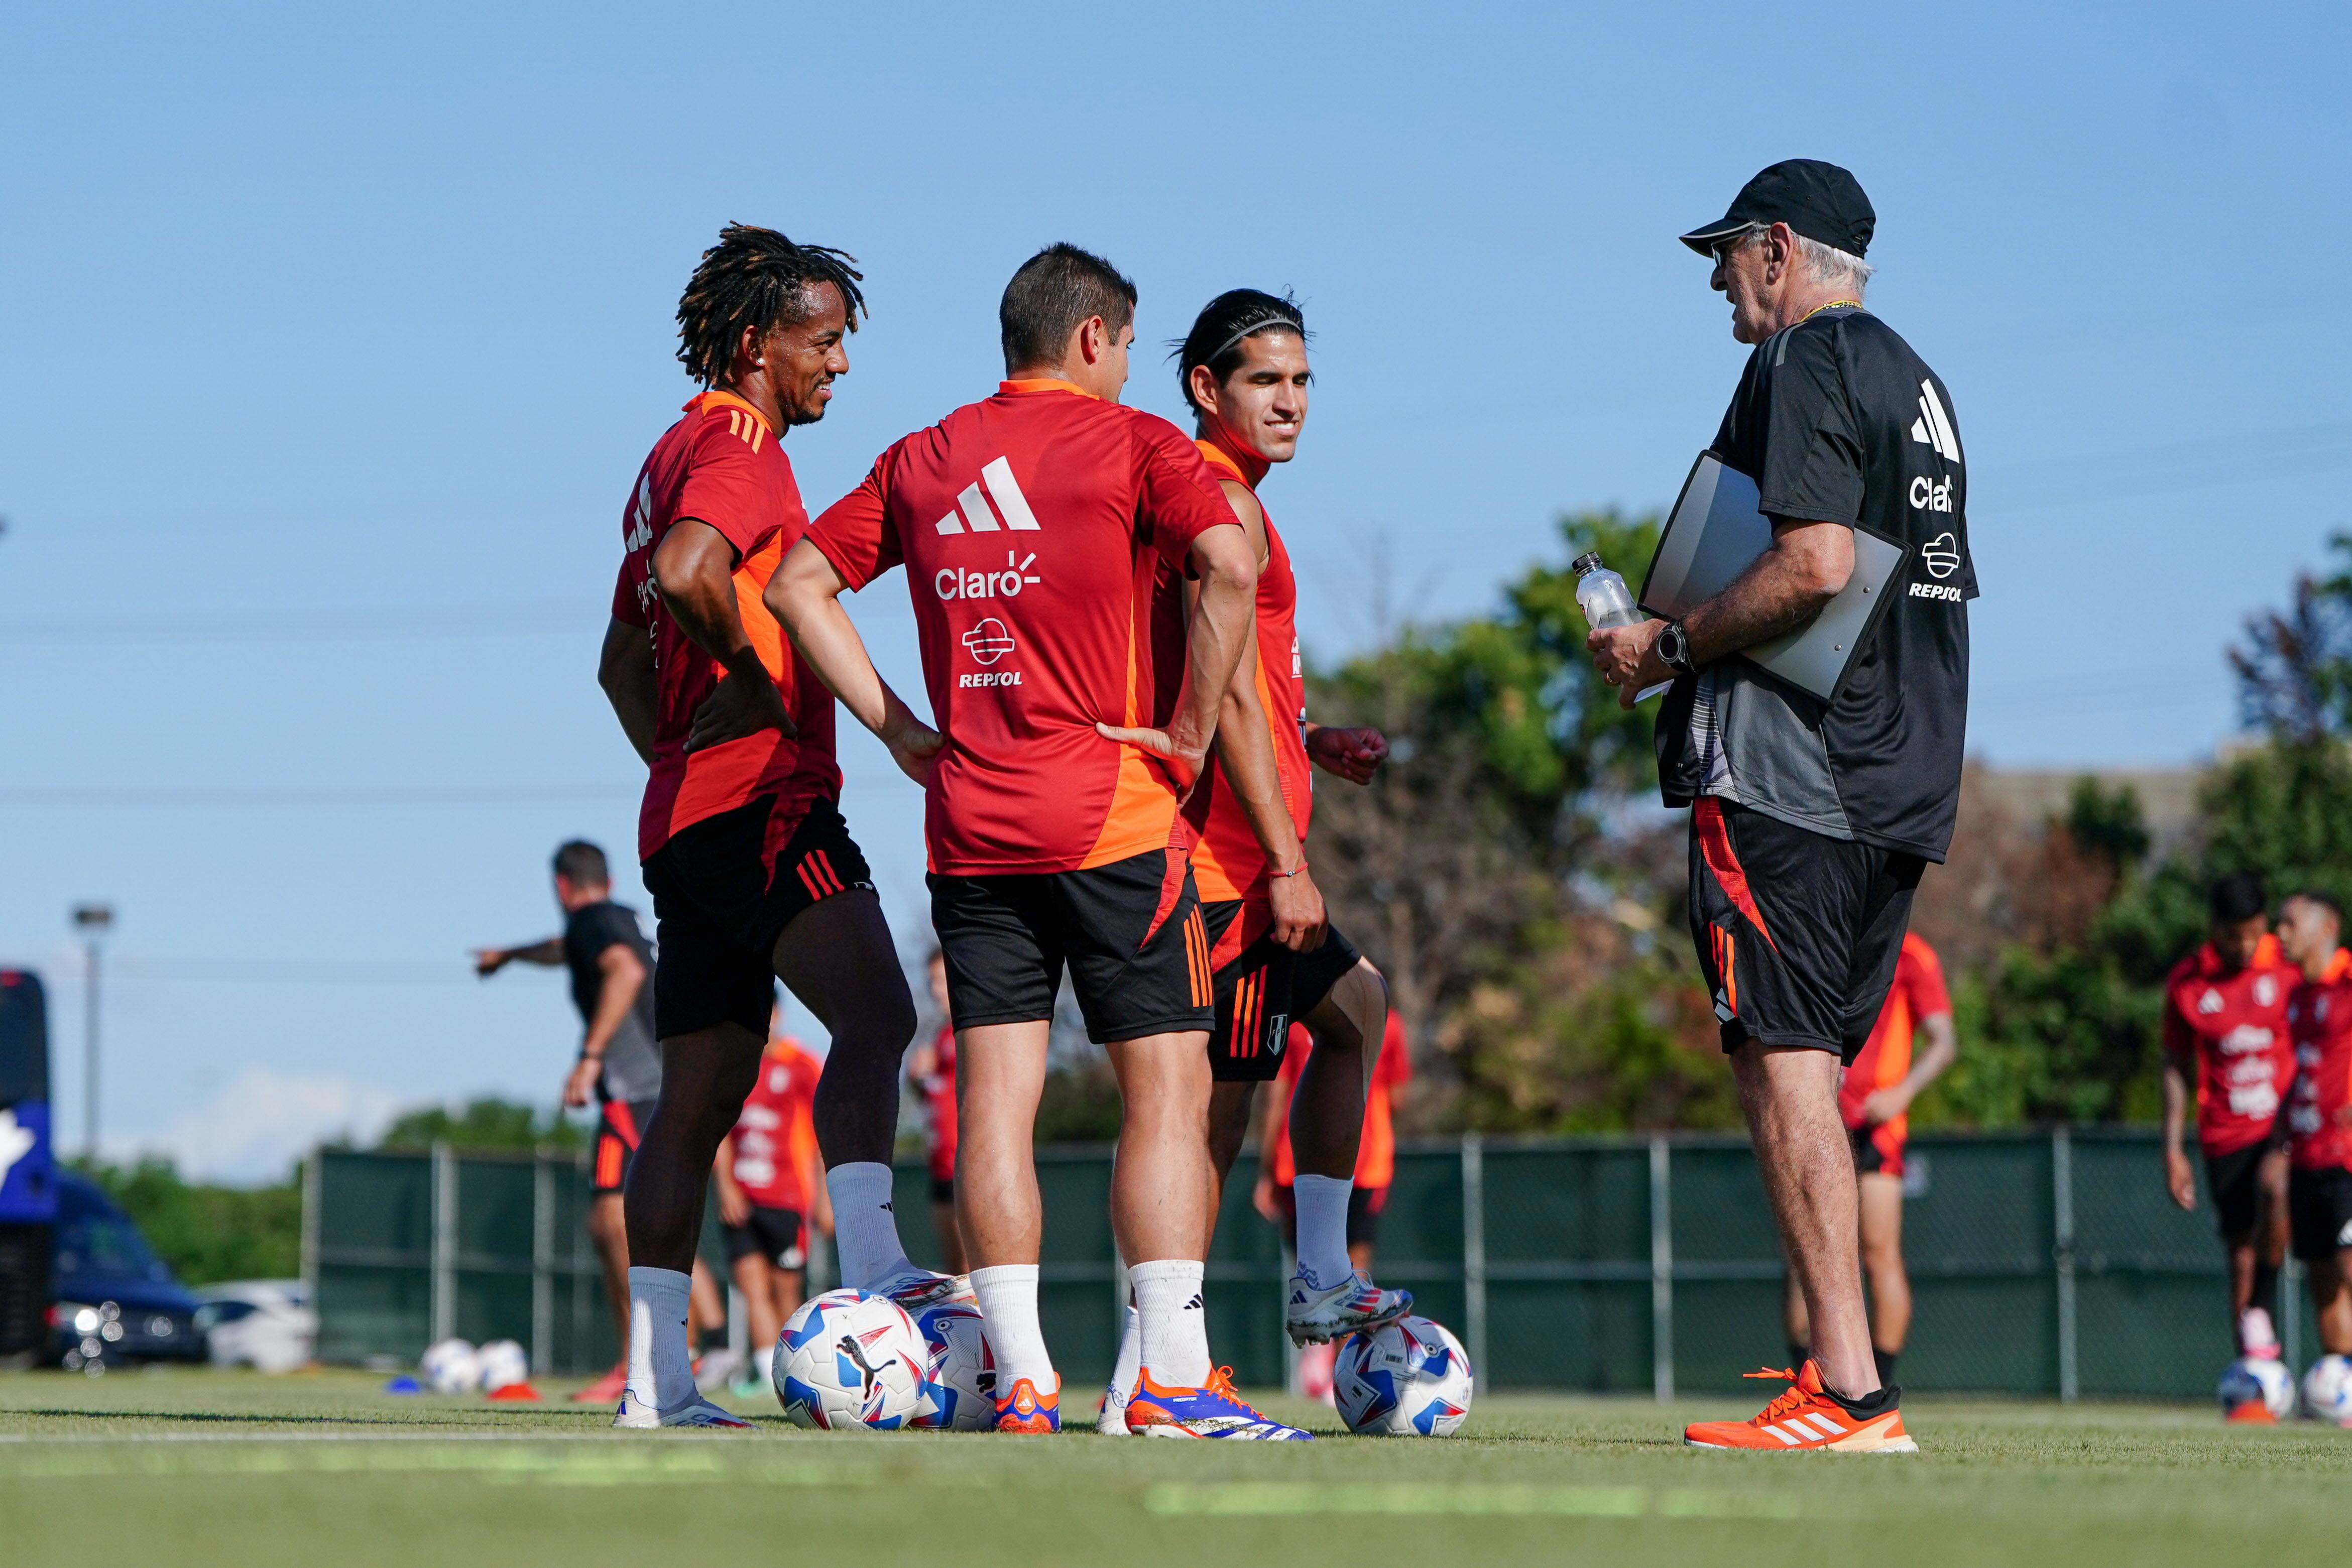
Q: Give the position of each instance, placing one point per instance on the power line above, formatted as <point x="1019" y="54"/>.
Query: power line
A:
<point x="483" y="619"/>
<point x="238" y="796"/>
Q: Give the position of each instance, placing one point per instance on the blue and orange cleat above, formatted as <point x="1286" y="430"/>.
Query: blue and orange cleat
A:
<point x="1024" y="1409"/>
<point x="1155" y="1410"/>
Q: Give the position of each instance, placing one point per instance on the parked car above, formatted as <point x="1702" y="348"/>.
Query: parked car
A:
<point x="116" y="1300"/>
<point x="266" y="1324"/>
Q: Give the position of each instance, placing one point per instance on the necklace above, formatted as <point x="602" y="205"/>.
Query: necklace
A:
<point x="1829" y="305"/>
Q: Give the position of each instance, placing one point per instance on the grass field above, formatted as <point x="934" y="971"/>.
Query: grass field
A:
<point x="197" y="1466"/>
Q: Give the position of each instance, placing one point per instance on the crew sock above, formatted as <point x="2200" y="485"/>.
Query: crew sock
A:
<point x="1886" y="1360"/>
<point x="1798" y="1356"/>
<point x="1008" y="1310"/>
<point x="1130" y="1356"/>
<point x="865" y="1229"/>
<point x="661" y="1371"/>
<point x="1173" y="1320"/>
<point x="1323" y="1230"/>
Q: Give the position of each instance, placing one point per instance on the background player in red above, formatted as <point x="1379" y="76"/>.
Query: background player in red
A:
<point x="1875" y="1097"/>
<point x="2319" y="1109"/>
<point x="931" y="1069"/>
<point x="1034" y="526"/>
<point x="2225" y="1031"/>
<point x="754" y="875"/>
<point x="771" y="1195"/>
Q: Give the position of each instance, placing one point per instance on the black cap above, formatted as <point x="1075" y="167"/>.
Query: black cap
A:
<point x="1817" y="200"/>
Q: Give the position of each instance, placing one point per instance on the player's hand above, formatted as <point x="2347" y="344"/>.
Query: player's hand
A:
<point x="1626" y="658"/>
<point x="489" y="961"/>
<point x="1262" y="1197"/>
<point x="1184" y="767"/>
<point x="1299" y="920"/>
<point x="914" y="747"/>
<point x="737" y="707"/>
<point x="2179" y="1180"/>
<point x="1354" y="755"/>
<point x="1882" y="1105"/>
<point x="580" y="1087"/>
<point x="734" y="1209"/>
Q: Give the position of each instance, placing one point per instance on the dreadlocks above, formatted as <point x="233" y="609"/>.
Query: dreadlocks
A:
<point x="1215" y="339"/>
<point x="754" y="277"/>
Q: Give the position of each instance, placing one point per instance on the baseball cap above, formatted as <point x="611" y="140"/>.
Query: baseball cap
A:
<point x="1817" y="200"/>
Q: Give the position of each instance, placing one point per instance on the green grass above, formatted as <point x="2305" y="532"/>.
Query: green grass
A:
<point x="195" y="1467"/>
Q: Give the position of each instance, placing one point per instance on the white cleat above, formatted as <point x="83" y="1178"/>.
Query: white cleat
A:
<point x="1317" y="1317"/>
<point x="919" y="1290"/>
<point x="1112" y="1421"/>
<point x="635" y="1415"/>
<point x="717" y="1370"/>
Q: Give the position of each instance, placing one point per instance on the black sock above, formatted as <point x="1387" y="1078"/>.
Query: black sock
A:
<point x="1797" y="1355"/>
<point x="1885" y="1359"/>
<point x="2265" y="1296"/>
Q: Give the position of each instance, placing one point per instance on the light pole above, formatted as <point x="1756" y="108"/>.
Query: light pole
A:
<point x="92" y="920"/>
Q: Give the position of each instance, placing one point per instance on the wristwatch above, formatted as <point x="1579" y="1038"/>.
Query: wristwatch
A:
<point x="1673" y="648"/>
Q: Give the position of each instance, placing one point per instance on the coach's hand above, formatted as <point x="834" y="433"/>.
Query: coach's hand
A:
<point x="1185" y="769"/>
<point x="1623" y="656"/>
<point x="489" y="961"/>
<point x="2179" y="1179"/>
<point x="1354" y="755"/>
<point x="1299" y="920"/>
<point x="914" y="747"/>
<point x="739" y="707"/>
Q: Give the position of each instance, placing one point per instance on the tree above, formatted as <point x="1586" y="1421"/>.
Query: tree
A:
<point x="2294" y="669"/>
<point x="487" y="1124"/>
<point x="208" y="1233"/>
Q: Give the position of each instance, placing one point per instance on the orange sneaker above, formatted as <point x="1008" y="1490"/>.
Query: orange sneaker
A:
<point x="1806" y="1416"/>
<point x="1023" y="1409"/>
<point x="605" y="1389"/>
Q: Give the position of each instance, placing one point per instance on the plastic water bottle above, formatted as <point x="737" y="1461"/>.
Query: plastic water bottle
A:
<point x="1603" y="595"/>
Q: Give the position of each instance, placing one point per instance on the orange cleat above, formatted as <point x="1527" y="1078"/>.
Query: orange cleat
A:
<point x="1806" y="1416"/>
<point x="1024" y="1409"/>
<point x="605" y="1389"/>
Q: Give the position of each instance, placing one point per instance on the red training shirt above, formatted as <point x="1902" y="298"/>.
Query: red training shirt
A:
<point x="723" y="465"/>
<point x="774" y="1137"/>
<point x="2319" y="1022"/>
<point x="1228" y="862"/>
<point x="2234" y="1026"/>
<point x="1032" y="525"/>
<point x="1376" y="1154"/>
<point x="1918" y="992"/>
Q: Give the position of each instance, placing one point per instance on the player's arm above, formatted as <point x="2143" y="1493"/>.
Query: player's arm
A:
<point x="625" y="669"/>
<point x="695" y="570"/>
<point x="2179" y="1060"/>
<point x="1354" y="755"/>
<point x="734" y="1209"/>
<point x="1216" y="632"/>
<point x="489" y="961"/>
<point x="624" y="975"/>
<point x="1805" y="567"/>
<point x="1884" y="1105"/>
<point x="804" y="596"/>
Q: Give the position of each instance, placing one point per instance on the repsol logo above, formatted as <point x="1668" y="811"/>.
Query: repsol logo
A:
<point x="990" y="678"/>
<point x="1934" y="591"/>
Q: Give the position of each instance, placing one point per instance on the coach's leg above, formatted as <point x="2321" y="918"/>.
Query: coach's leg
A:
<point x="1160" y="1190"/>
<point x="1790" y="1096"/>
<point x="837" y="959"/>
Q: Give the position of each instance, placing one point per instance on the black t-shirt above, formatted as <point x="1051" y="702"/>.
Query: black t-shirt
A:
<point x="633" y="1060"/>
<point x="1839" y="422"/>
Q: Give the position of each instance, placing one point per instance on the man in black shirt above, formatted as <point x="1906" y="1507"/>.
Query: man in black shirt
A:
<point x="1811" y="820"/>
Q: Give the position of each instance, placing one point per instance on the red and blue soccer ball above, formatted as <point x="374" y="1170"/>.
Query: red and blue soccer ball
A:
<point x="851" y="1362"/>
<point x="958" y="1385"/>
<point x="1409" y="1378"/>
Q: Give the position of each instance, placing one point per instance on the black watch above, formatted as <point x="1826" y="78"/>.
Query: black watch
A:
<point x="1674" y="648"/>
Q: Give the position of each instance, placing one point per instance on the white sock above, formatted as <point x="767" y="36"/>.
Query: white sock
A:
<point x="1008" y="1311"/>
<point x="1130" y="1357"/>
<point x="661" y="1370"/>
<point x="1173" y="1321"/>
<point x="1323" y="1228"/>
<point x="865" y="1230"/>
<point x="763" y="1363"/>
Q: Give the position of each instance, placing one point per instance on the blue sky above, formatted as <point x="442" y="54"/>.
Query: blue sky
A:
<point x="333" y="338"/>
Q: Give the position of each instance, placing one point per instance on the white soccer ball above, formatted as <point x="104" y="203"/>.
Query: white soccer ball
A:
<point x="502" y="1363"/>
<point x="958" y="1385"/>
<point x="851" y="1362"/>
<point x="2327" y="1390"/>
<point x="2257" y="1378"/>
<point x="451" y="1366"/>
<point x="1407" y="1378"/>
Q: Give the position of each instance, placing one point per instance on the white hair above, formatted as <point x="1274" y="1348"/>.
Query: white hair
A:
<point x="1824" y="263"/>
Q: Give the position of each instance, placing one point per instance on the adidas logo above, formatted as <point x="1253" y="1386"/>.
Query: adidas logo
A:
<point x="1194" y="1305"/>
<point x="972" y="505"/>
<point x="2211" y="1002"/>
<point x="1932" y="428"/>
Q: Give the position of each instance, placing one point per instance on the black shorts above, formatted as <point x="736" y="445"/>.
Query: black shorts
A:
<point x="1797" y="934"/>
<point x="620" y="1127"/>
<point x="1129" y="932"/>
<point x="2319" y="1211"/>
<point x="1877" y="1151"/>
<point x="724" y="889"/>
<point x="1263" y="988"/>
<point x="2235" y="1180"/>
<point x="771" y="1233"/>
<point x="943" y="1189"/>
<point x="1364" y="1206"/>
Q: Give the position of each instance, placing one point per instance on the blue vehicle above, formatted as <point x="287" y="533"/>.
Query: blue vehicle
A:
<point x="28" y="1196"/>
<point x="116" y="1300"/>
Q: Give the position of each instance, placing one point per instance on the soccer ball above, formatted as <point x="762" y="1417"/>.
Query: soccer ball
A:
<point x="851" y="1362"/>
<point x="1406" y="1378"/>
<point x="502" y="1363"/>
<point x="2327" y="1390"/>
<point x="451" y="1366"/>
<point x="2257" y="1379"/>
<point x="959" y="1380"/>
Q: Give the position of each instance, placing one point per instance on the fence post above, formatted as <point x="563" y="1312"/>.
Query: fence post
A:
<point x="1474" y="1255"/>
<point x="2061" y="1196"/>
<point x="542" y="1265"/>
<point x="1661" y="1272"/>
<point x="445" y="1242"/>
<point x="313" y="1179"/>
